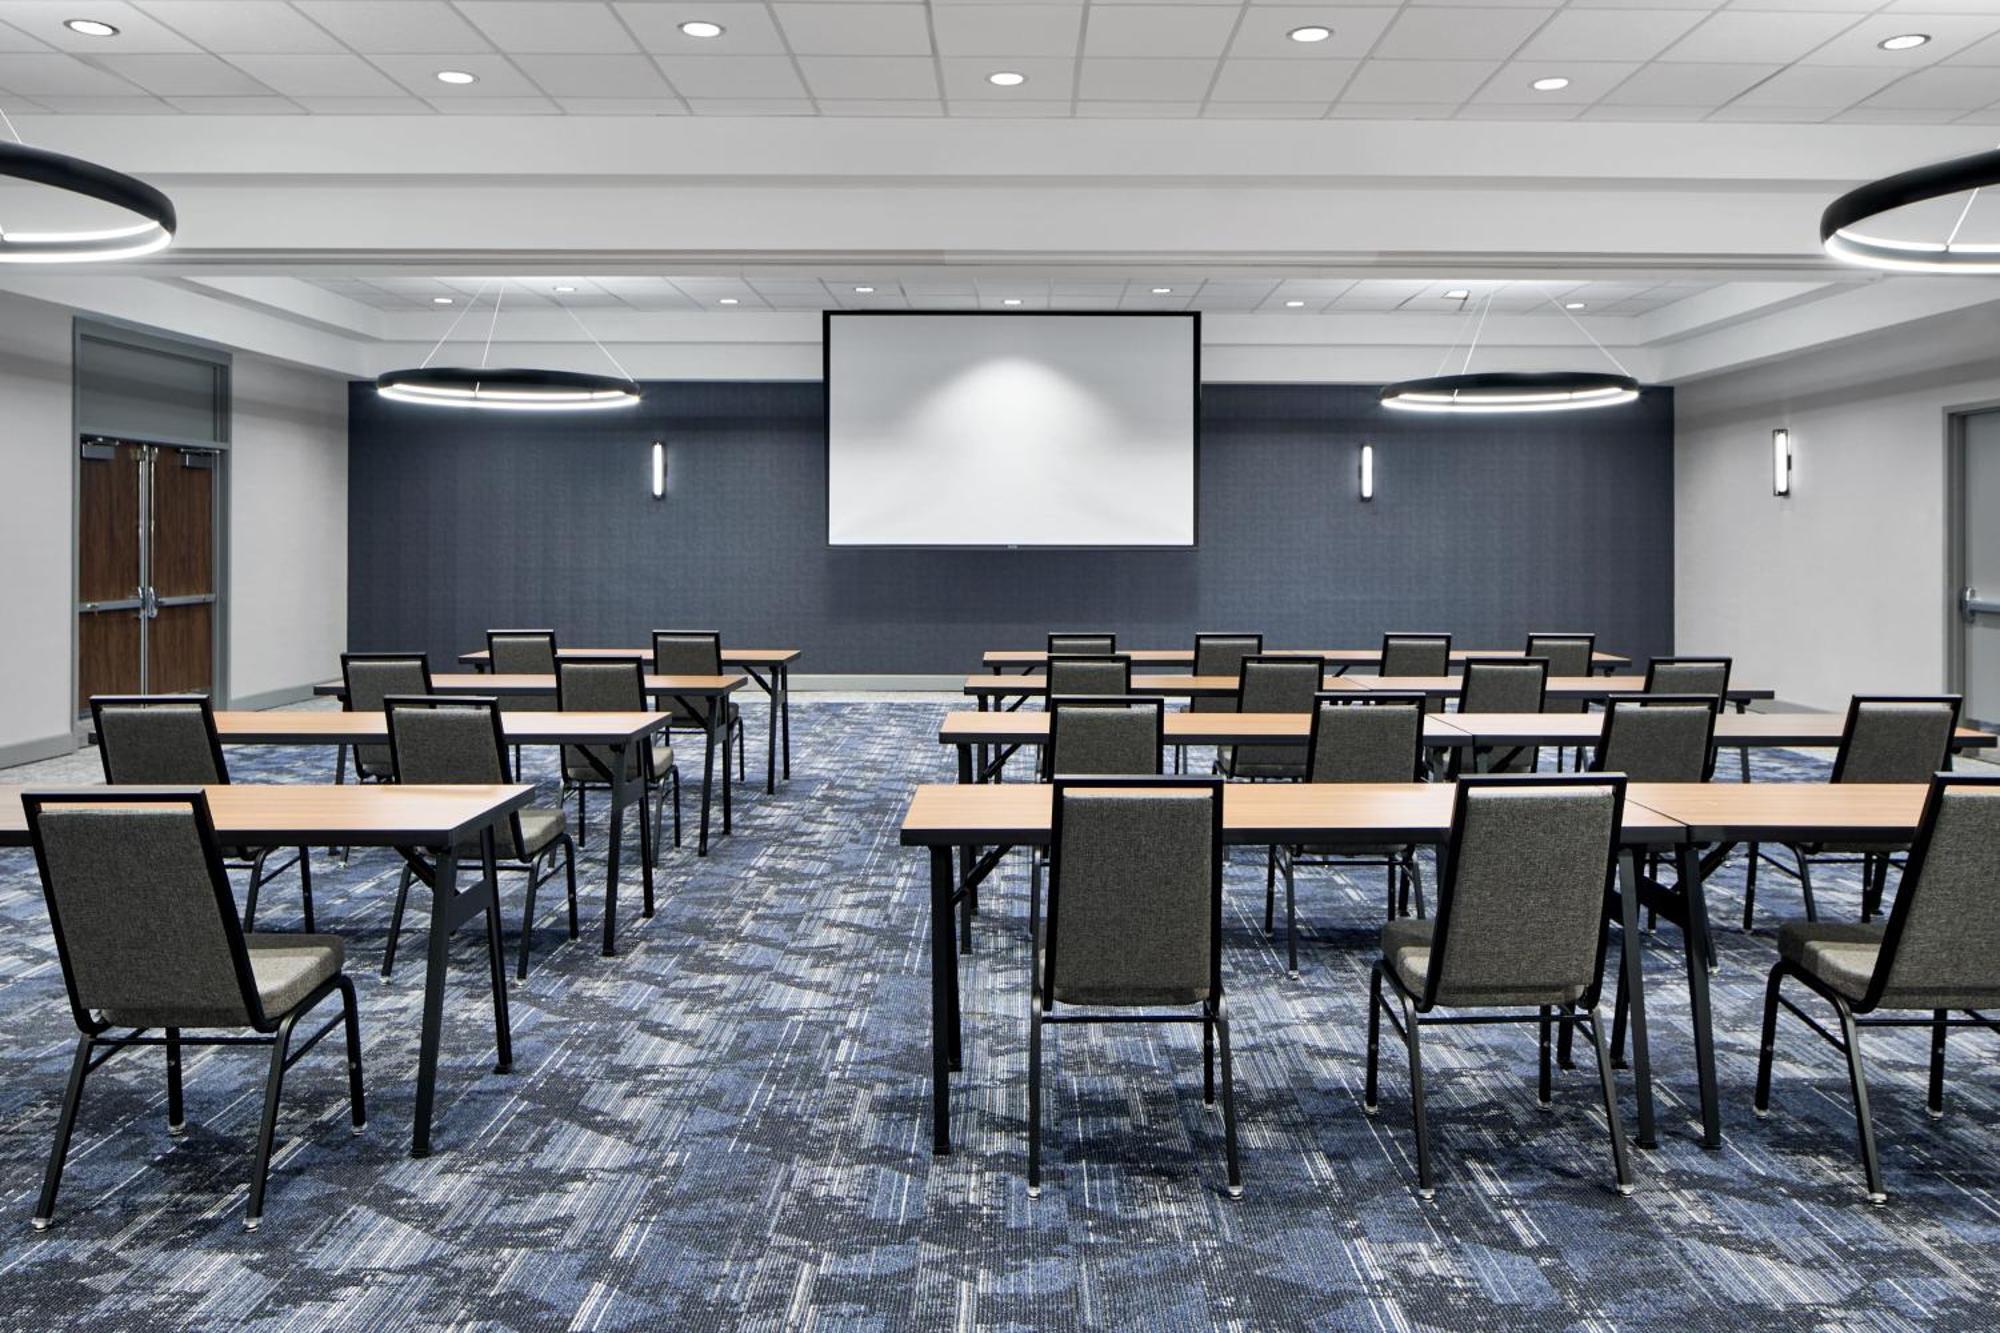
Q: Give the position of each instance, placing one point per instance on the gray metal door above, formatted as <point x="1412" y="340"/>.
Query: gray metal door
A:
<point x="1979" y="566"/>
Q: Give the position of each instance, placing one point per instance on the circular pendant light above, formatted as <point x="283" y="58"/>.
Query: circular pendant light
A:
<point x="1490" y="391"/>
<point x="511" y="388"/>
<point x="1842" y="234"/>
<point x="153" y="231"/>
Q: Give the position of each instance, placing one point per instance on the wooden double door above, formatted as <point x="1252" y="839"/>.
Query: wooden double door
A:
<point x="147" y="595"/>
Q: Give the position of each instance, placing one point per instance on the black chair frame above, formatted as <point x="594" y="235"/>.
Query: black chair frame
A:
<point x="695" y="728"/>
<point x="1471" y="668"/>
<point x="661" y="784"/>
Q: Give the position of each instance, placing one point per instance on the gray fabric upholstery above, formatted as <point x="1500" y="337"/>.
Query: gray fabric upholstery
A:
<point x="1948" y="956"/>
<point x="284" y="968"/>
<point x="1102" y="644"/>
<point x="1567" y="655"/>
<point x="368" y="684"/>
<point x="1657" y="742"/>
<point x="157" y="743"/>
<point x="1087" y="676"/>
<point x="1416" y="655"/>
<point x="1524" y="901"/>
<point x="524" y="654"/>
<point x="1706" y="677"/>
<point x="1406" y="947"/>
<point x="599" y="687"/>
<point x="1276" y="686"/>
<point x="1504" y="687"/>
<point x="1131" y="897"/>
<point x="454" y="743"/>
<point x="1103" y="740"/>
<point x="145" y="932"/>
<point x="688" y="653"/>
<point x="1364" y="742"/>
<point x="1221" y="655"/>
<point x="1897" y="741"/>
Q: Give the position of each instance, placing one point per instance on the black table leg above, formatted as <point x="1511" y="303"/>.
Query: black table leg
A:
<point x="785" y="674"/>
<point x="614" y="838"/>
<point x="771" y="737"/>
<point x="707" y="775"/>
<point x="503" y="1035"/>
<point x="944" y="1006"/>
<point x="1695" y="940"/>
<point x="1632" y="979"/>
<point x="720" y="705"/>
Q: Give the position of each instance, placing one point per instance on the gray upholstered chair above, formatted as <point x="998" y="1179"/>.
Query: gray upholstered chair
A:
<point x="1079" y="674"/>
<point x="1938" y="951"/>
<point x="523" y="652"/>
<point x="1088" y="645"/>
<point x="1217" y="654"/>
<point x="1374" y="737"/>
<point x="615" y="687"/>
<point x="698" y="652"/>
<point x="148" y="937"/>
<point x="1134" y="928"/>
<point x="1096" y="736"/>
<point x="369" y="678"/>
<point x="1504" y="685"/>
<point x="1688" y="675"/>
<point x="170" y="740"/>
<point x="1415" y="655"/>
<point x="1271" y="684"/>
<point x="458" y="739"/>
<point x="1567" y="655"/>
<point x="1887" y="738"/>
<point x="1658" y="738"/>
<point x="1524" y="887"/>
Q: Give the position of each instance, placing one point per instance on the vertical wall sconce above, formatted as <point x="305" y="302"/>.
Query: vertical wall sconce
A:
<point x="1781" y="462"/>
<point x="659" y="470"/>
<point x="1367" y="472"/>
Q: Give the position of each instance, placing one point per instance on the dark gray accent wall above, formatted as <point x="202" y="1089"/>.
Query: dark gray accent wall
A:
<point x="1488" y="527"/>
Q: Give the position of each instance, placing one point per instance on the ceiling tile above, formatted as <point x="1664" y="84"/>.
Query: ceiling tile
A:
<point x="366" y="106"/>
<point x="236" y="106"/>
<point x="1959" y="88"/>
<point x="965" y="79"/>
<point x="1892" y="115"/>
<point x="186" y="74"/>
<point x="1036" y="109"/>
<point x="316" y="75"/>
<point x="137" y="32"/>
<point x="229" y="26"/>
<point x="1635" y="114"/>
<point x="751" y="106"/>
<point x="1418" y="81"/>
<point x="1138" y="110"/>
<point x="498" y="76"/>
<point x="13" y="39"/>
<point x="1751" y="37"/>
<point x="1283" y="80"/>
<point x="1830" y="86"/>
<point x="622" y="106"/>
<point x="549" y="27"/>
<point x="747" y="29"/>
<point x="1007" y="30"/>
<point x="1588" y="81"/>
<point x="855" y="30"/>
<point x="1458" y="34"/>
<point x="1688" y="84"/>
<point x="1219" y="110"/>
<point x="106" y="106"/>
<point x="863" y="106"/>
<point x="33" y="73"/>
<point x="408" y="26"/>
<point x="731" y="77"/>
<point x="495" y="106"/>
<point x="594" y="75"/>
<point x="1264" y="32"/>
<point x="1609" y="34"/>
<point x="870" y="76"/>
<point x="1949" y="35"/>
<point x="1145" y="80"/>
<point x="1348" y="109"/>
<point x="1541" y="110"/>
<point x="1159" y="30"/>
<point x="1742" y="110"/>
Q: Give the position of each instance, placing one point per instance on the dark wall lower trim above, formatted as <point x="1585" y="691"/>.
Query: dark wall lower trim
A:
<point x="1487" y="527"/>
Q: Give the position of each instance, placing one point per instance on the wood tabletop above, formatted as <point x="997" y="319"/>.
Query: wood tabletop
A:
<point x="1787" y="811"/>
<point x="971" y="727"/>
<point x="1731" y="729"/>
<point x="1019" y="657"/>
<point x="317" y="727"/>
<point x="1017" y="814"/>
<point x="375" y="815"/>
<point x="1175" y="685"/>
<point x="497" y="684"/>
<point x="1559" y="687"/>
<point x="743" y="657"/>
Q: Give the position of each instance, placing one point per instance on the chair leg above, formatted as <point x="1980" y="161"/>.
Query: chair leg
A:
<point x="582" y="813"/>
<point x="1620" y="1161"/>
<point x="1034" y="898"/>
<point x="1416" y="882"/>
<point x="1805" y="885"/>
<point x="306" y="885"/>
<point x="79" y="1067"/>
<point x="250" y="898"/>
<point x="1207" y="1056"/>
<point x="1396" y="882"/>
<point x="1426" y="1186"/>
<point x="1228" y="1102"/>
<point x="1368" y="1091"/>
<point x="396" y="923"/>
<point x="267" y="1129"/>
<point x="357" y="1105"/>
<point x="1768" y="1044"/>
<point x="528" y="919"/>
<point x="1938" y="1029"/>
<point x="176" y="1108"/>
<point x="1291" y="917"/>
<point x="569" y="869"/>
<point x="1870" y="1161"/>
<point x="1543" y="1093"/>
<point x="1270" y="887"/>
<point x="1750" y="885"/>
<point x="659" y="814"/>
<point x="1619" y="1009"/>
<point x="1034" y="1101"/>
<point x="677" y="806"/>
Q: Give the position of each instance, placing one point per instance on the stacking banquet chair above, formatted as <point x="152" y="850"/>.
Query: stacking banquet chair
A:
<point x="1504" y="685"/>
<point x="148" y="937"/>
<point x="1377" y="737"/>
<point x="615" y="687"/>
<point x="523" y="652"/>
<point x="1415" y="655"/>
<point x="1097" y="736"/>
<point x="1523" y="890"/>
<point x="370" y="678"/>
<point x="698" y="652"/>
<point x="1089" y="645"/>
<point x="170" y="740"/>
<point x="457" y="739"/>
<point x="1217" y="655"/>
<point x="1939" y="951"/>
<point x="1695" y="675"/>
<point x="1101" y="674"/>
<point x="1887" y="738"/>
<point x="1134" y="927"/>
<point x="1567" y="655"/>
<point x="1272" y="685"/>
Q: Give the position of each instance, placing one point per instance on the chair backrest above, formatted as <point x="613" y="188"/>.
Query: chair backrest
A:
<point x="1374" y="737"/>
<point x="522" y="652"/>
<point x="1081" y="673"/>
<point x="603" y="685"/>
<point x="686" y="652"/>
<point x="158" y="738"/>
<point x="1088" y="645"/>
<point x="1503" y="685"/>
<point x="1688" y="675"/>
<point x="1525" y="891"/>
<point x="451" y="739"/>
<point x="1416" y="655"/>
<point x="1896" y="738"/>
<point x="1566" y="654"/>
<point x="372" y="677"/>
<point x="1274" y="684"/>
<point x="1658" y="737"/>
<point x="1135" y="892"/>
<point x="1942" y="941"/>
<point x="1091" y="737"/>
<point x="144" y="920"/>
<point x="1221" y="655"/>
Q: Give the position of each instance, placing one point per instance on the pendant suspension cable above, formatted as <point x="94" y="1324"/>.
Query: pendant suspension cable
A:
<point x="1963" y="214"/>
<point x="8" y="121"/>
<point x="593" y="338"/>
<point x="1588" y="334"/>
<point x="437" y="346"/>
<point x="1481" y="328"/>
<point x="499" y="295"/>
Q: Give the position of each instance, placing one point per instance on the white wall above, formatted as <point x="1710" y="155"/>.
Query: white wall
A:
<point x="287" y="530"/>
<point x="1840" y="588"/>
<point x="36" y="445"/>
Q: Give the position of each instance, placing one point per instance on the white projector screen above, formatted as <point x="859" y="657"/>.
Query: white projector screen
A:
<point x="1011" y="430"/>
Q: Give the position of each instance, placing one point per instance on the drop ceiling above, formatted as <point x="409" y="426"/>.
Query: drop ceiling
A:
<point x="1781" y="61"/>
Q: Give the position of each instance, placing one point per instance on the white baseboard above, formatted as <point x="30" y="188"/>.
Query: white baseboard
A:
<point x="28" y="752"/>
<point x="290" y="694"/>
<point x="952" y="684"/>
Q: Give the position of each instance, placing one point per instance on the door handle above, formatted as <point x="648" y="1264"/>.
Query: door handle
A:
<point x="1971" y="604"/>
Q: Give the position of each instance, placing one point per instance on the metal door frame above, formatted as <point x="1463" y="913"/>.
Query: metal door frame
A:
<point x="1955" y="535"/>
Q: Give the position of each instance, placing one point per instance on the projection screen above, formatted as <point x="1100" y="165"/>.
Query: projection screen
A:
<point x="1029" y="430"/>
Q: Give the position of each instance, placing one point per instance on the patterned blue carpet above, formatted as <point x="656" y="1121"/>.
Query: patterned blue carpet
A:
<point x="727" y="1127"/>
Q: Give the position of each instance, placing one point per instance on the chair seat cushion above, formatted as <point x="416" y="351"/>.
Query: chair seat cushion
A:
<point x="539" y="828"/>
<point x="1842" y="955"/>
<point x="1406" y="949"/>
<point x="286" y="969"/>
<point x="578" y="769"/>
<point x="684" y="721"/>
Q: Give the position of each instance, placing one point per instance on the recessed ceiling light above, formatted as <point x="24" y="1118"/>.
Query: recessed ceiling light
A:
<point x="456" y="76"/>
<point x="1294" y="305"/>
<point x="1006" y="78"/>
<point x="727" y="300"/>
<point x="90" y="27"/>
<point x="1550" y="85"/>
<point x="1572" y="305"/>
<point x="1311" y="33"/>
<point x="440" y="300"/>
<point x="1458" y="294"/>
<point x="1162" y="291"/>
<point x="864" y="290"/>
<point x="1908" y="41"/>
<point x="564" y="290"/>
<point x="701" y="28"/>
<point x="1011" y="300"/>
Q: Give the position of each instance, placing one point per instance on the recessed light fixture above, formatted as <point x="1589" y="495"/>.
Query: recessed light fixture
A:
<point x="1553" y="84"/>
<point x="1458" y="294"/>
<point x="440" y="300"/>
<point x="456" y="76"/>
<point x="563" y="291"/>
<point x="90" y="27"/>
<point x="1011" y="300"/>
<point x="1163" y="291"/>
<point x="1311" y="33"/>
<point x="701" y="28"/>
<point x="864" y="290"/>
<point x="1006" y="78"/>
<point x="1293" y="305"/>
<point x="1908" y="41"/>
<point x="1572" y="305"/>
<point x="727" y="300"/>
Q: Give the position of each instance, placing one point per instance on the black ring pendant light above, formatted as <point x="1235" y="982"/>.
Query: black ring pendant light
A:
<point x="1839" y="225"/>
<point x="38" y="166"/>
<point x="1512" y="391"/>
<point x="508" y="389"/>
